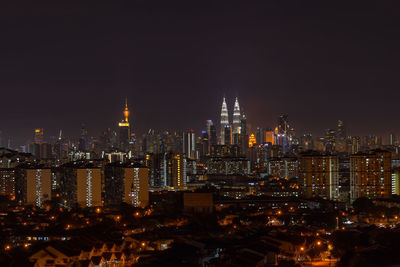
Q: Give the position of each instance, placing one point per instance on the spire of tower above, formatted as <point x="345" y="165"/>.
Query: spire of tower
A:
<point x="224" y="112"/>
<point x="126" y="110"/>
<point x="224" y="120"/>
<point x="236" y="117"/>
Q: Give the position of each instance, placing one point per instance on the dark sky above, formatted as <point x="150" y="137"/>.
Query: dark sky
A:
<point x="63" y="64"/>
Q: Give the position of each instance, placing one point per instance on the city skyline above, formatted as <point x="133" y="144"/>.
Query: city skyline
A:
<point x="198" y="127"/>
<point x="199" y="133"/>
<point x="307" y="61"/>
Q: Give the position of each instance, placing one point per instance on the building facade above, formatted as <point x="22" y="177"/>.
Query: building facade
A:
<point x="319" y="175"/>
<point x="371" y="174"/>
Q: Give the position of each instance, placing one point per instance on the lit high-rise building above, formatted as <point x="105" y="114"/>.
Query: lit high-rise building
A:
<point x="260" y="135"/>
<point x="189" y="144"/>
<point x="81" y="184"/>
<point x="178" y="167"/>
<point x="341" y="137"/>
<point x="7" y="182"/>
<point x="224" y="121"/>
<point x="319" y="175"/>
<point x="396" y="181"/>
<point x="243" y="125"/>
<point x="270" y="137"/>
<point x="32" y="185"/>
<point x="212" y="134"/>
<point x="371" y="174"/>
<point x="236" y="125"/>
<point x="38" y="136"/>
<point x="127" y="183"/>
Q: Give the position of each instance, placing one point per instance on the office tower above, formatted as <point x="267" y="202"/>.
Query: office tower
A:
<point x="260" y="135"/>
<point x="371" y="142"/>
<point x="38" y="137"/>
<point x="228" y="135"/>
<point x="124" y="136"/>
<point x="355" y="144"/>
<point x="224" y="121"/>
<point x="83" y="140"/>
<point x="58" y="147"/>
<point x="213" y="135"/>
<point x="80" y="184"/>
<point x="306" y="141"/>
<point x="126" y="182"/>
<point x="330" y="140"/>
<point x="32" y="185"/>
<point x="341" y="137"/>
<point x="270" y="137"/>
<point x="283" y="124"/>
<point x="204" y="144"/>
<point x="151" y="142"/>
<point x="318" y="175"/>
<point x="46" y="151"/>
<point x="392" y="139"/>
<point x="236" y="125"/>
<point x="34" y="149"/>
<point x="243" y="124"/>
<point x="371" y="174"/>
<point x="189" y="144"/>
<point x="243" y="137"/>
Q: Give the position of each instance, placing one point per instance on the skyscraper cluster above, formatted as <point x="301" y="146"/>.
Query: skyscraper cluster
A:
<point x="334" y="166"/>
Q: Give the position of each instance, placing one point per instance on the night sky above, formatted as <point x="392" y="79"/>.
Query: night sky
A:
<point x="63" y="64"/>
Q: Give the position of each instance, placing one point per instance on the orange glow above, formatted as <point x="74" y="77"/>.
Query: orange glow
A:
<point x="252" y="140"/>
<point x="126" y="110"/>
<point x="269" y="137"/>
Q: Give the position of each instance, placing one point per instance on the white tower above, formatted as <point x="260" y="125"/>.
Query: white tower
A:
<point x="224" y="120"/>
<point x="236" y="117"/>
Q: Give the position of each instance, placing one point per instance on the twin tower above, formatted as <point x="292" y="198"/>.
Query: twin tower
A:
<point x="237" y="127"/>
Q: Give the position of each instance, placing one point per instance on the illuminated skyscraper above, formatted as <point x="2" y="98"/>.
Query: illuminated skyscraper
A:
<point x="319" y="175"/>
<point x="178" y="169"/>
<point x="32" y="185"/>
<point x="189" y="144"/>
<point x="81" y="184"/>
<point x="224" y="121"/>
<point x="126" y="182"/>
<point x="39" y="135"/>
<point x="83" y="139"/>
<point x="124" y="128"/>
<point x="371" y="174"/>
<point x="283" y="124"/>
<point x="236" y="118"/>
<point x="212" y="134"/>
